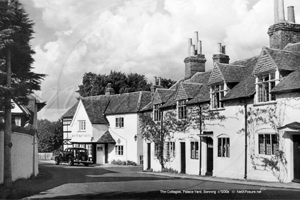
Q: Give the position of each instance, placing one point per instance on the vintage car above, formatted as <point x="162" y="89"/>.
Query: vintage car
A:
<point x="73" y="155"/>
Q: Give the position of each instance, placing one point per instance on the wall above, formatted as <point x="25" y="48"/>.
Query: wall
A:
<point x="284" y="111"/>
<point x="125" y="136"/>
<point x="81" y="136"/>
<point x="21" y="155"/>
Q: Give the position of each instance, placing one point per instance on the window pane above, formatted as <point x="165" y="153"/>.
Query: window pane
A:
<point x="261" y="144"/>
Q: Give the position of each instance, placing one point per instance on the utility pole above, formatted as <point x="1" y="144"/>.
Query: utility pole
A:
<point x="7" y="129"/>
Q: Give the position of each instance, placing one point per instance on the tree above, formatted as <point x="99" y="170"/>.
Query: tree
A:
<point x="167" y="83"/>
<point x="161" y="131"/>
<point x="93" y="84"/>
<point x="50" y="135"/>
<point x="16" y="78"/>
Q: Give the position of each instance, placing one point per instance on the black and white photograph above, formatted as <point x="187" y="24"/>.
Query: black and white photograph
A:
<point x="149" y="99"/>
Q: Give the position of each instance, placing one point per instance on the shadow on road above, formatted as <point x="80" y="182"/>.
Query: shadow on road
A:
<point x="51" y="176"/>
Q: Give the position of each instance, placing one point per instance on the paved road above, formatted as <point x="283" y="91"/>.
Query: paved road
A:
<point x="95" y="182"/>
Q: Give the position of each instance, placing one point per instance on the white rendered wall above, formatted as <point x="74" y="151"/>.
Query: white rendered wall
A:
<point x="125" y="136"/>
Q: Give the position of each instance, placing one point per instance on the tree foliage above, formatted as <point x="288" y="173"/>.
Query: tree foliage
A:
<point x="50" y="135"/>
<point x="93" y="84"/>
<point x="16" y="31"/>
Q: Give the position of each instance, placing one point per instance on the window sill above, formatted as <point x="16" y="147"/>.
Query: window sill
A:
<point x="217" y="109"/>
<point x="265" y="103"/>
<point x="81" y="131"/>
<point x="223" y="157"/>
<point x="119" y="127"/>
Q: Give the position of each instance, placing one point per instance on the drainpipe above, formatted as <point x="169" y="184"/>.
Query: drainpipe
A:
<point x="246" y="116"/>
<point x="200" y="140"/>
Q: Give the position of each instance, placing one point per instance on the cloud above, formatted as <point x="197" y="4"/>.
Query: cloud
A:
<point x="143" y="36"/>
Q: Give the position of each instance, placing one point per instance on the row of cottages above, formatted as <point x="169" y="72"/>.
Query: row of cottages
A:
<point x="24" y="147"/>
<point x="259" y="96"/>
<point x="107" y="125"/>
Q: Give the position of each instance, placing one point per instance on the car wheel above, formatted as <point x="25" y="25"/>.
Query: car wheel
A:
<point x="56" y="161"/>
<point x="70" y="162"/>
<point x="86" y="164"/>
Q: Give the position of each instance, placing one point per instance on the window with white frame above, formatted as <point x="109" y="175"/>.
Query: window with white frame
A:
<point x="119" y="122"/>
<point x="119" y="150"/>
<point x="265" y="83"/>
<point x="1" y="119"/>
<point x="82" y="125"/>
<point x="18" y="121"/>
<point x="267" y="144"/>
<point x="156" y="113"/>
<point x="217" y="93"/>
<point x="194" y="150"/>
<point x="170" y="149"/>
<point x="223" y="147"/>
<point x="181" y="109"/>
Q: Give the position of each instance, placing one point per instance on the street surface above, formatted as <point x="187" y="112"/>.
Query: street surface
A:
<point x="97" y="182"/>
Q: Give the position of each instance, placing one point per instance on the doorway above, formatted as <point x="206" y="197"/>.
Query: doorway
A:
<point x="148" y="156"/>
<point x="182" y="147"/>
<point x="296" y="140"/>
<point x="210" y="156"/>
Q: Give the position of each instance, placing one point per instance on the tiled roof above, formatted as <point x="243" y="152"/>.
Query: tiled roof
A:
<point x="200" y="77"/>
<point x="161" y="95"/>
<point x="246" y="87"/>
<point x="229" y="73"/>
<point x="97" y="106"/>
<point x="106" y="138"/>
<point x="294" y="47"/>
<point x="289" y="83"/>
<point x="128" y="102"/>
<point x="95" y="110"/>
<point x="202" y="96"/>
<point x="71" y="111"/>
<point x="272" y="59"/>
<point x="188" y="90"/>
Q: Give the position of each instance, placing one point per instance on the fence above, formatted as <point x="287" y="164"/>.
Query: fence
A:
<point x="45" y="156"/>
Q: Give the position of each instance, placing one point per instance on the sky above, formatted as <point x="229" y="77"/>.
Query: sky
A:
<point x="149" y="37"/>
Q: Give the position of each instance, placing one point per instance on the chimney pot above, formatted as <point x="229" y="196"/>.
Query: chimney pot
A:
<point x="219" y="48"/>
<point x="291" y="14"/>
<point x="189" y="45"/>
<point x="280" y="10"/>
<point x="224" y="49"/>
<point x="199" y="51"/>
<point x="192" y="50"/>
<point x="196" y="39"/>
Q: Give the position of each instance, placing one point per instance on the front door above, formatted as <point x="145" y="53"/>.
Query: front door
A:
<point x="182" y="147"/>
<point x="106" y="152"/>
<point x="149" y="156"/>
<point x="296" y="140"/>
<point x="210" y="156"/>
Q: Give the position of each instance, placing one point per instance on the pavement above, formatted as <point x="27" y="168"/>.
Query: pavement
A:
<point x="290" y="185"/>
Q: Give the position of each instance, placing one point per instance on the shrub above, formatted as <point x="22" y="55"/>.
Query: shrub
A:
<point x="170" y="170"/>
<point x="122" y="162"/>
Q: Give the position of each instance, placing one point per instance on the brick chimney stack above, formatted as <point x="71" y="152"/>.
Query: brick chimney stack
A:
<point x="109" y="90"/>
<point x="195" y="62"/>
<point x="220" y="56"/>
<point x="283" y="32"/>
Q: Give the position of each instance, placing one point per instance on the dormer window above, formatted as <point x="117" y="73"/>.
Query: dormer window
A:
<point x="181" y="109"/>
<point x="264" y="84"/>
<point x="156" y="113"/>
<point x="217" y="94"/>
